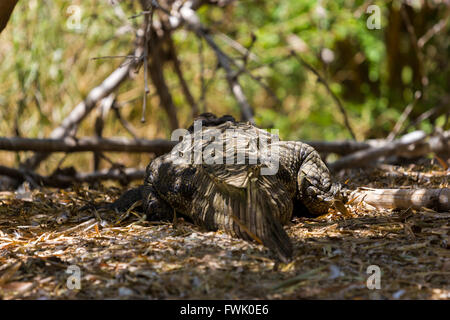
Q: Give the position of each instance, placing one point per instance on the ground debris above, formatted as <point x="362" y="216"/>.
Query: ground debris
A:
<point x="40" y="240"/>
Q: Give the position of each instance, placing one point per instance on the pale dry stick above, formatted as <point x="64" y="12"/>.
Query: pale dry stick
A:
<point x="160" y="82"/>
<point x="433" y="31"/>
<point x="366" y="157"/>
<point x="63" y="181"/>
<point x="237" y="46"/>
<point x="401" y="120"/>
<point x="393" y="171"/>
<point x="436" y="199"/>
<point x="439" y="143"/>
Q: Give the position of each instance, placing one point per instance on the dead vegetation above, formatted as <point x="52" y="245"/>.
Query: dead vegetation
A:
<point x="42" y="233"/>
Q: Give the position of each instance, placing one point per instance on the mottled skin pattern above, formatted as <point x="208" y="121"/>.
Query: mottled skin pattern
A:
<point x="235" y="197"/>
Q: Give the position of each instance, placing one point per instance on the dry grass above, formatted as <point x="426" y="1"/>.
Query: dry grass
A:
<point x="42" y="233"/>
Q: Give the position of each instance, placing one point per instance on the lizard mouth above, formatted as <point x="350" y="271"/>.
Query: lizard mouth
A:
<point x="333" y="198"/>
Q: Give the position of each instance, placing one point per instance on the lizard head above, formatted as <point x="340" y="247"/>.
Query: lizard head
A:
<point x="316" y="190"/>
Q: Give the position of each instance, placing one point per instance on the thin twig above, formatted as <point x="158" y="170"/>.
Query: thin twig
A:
<point x="80" y="112"/>
<point x="434" y="30"/>
<point x="112" y="57"/>
<point x="148" y="24"/>
<point x="87" y="144"/>
<point x="190" y="17"/>
<point x="409" y="108"/>
<point x="64" y="181"/>
<point x="179" y="73"/>
<point x="365" y="157"/>
<point x="123" y="122"/>
<point x="202" y="74"/>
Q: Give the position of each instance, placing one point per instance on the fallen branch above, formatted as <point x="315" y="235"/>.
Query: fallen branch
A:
<point x="438" y="143"/>
<point x="68" y="144"/>
<point x="103" y="110"/>
<point x="436" y="199"/>
<point x="63" y="181"/>
<point x="392" y="171"/>
<point x="366" y="157"/>
<point x="184" y="86"/>
<point x="127" y="126"/>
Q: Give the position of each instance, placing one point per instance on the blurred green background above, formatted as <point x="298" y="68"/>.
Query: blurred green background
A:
<point x="47" y="68"/>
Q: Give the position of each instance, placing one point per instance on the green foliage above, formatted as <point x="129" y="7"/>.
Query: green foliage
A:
<point x="46" y="69"/>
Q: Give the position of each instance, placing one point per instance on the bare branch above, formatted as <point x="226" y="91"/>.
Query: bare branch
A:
<point x="365" y="157"/>
<point x="64" y="181"/>
<point x="339" y="147"/>
<point x="179" y="73"/>
<point x="409" y="108"/>
<point x="148" y="24"/>
<point x="124" y="122"/>
<point x="413" y="38"/>
<point x="6" y="8"/>
<point x="434" y="30"/>
<point x="437" y="199"/>
<point x="157" y="146"/>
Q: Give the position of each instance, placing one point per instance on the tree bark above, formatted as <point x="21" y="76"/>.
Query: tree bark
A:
<point x="159" y="81"/>
<point x="6" y="8"/>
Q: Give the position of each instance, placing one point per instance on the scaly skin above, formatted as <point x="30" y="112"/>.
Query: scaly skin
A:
<point x="234" y="197"/>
